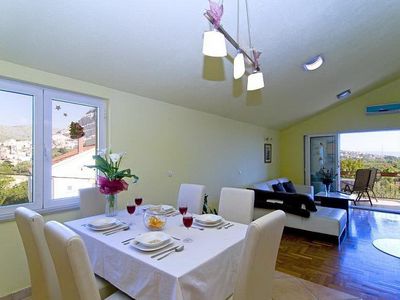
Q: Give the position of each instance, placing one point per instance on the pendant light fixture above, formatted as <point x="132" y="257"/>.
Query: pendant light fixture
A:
<point x="214" y="41"/>
<point x="214" y="45"/>
<point x="239" y="68"/>
<point x="255" y="80"/>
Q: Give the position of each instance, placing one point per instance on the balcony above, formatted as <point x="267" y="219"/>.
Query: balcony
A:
<point x="386" y="188"/>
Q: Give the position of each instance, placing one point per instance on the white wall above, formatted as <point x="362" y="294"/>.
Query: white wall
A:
<point x="158" y="137"/>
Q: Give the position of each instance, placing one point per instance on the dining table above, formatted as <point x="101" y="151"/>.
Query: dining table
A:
<point x="207" y="267"/>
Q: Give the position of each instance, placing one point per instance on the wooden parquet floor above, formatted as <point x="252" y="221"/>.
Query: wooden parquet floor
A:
<point x="357" y="268"/>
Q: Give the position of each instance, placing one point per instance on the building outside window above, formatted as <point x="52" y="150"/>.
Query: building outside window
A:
<point x="47" y="137"/>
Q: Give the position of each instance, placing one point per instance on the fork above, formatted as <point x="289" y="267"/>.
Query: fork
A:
<point x="223" y="225"/>
<point x="115" y="230"/>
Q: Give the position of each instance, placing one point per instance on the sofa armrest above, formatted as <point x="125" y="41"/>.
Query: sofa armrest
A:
<point x="305" y="189"/>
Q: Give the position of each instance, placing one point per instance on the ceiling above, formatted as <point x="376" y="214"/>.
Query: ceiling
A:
<point x="153" y="49"/>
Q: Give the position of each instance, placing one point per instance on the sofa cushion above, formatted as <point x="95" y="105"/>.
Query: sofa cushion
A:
<point x="294" y="201"/>
<point x="262" y="186"/>
<point x="289" y="187"/>
<point x="290" y="209"/>
<point x="278" y="187"/>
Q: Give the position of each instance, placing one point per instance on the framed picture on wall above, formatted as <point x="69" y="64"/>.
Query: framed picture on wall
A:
<point x="267" y="153"/>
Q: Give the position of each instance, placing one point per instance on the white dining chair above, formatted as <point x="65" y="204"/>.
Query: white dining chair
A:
<point x="71" y="261"/>
<point x="193" y="194"/>
<point x="44" y="283"/>
<point x="91" y="202"/>
<point x="236" y="205"/>
<point x="257" y="264"/>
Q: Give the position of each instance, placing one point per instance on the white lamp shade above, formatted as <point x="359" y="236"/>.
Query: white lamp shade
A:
<point x="238" y="66"/>
<point x="214" y="44"/>
<point x="255" y="81"/>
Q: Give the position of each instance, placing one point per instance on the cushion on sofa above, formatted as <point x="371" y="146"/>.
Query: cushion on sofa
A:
<point x="290" y="209"/>
<point x="292" y="202"/>
<point x="289" y="187"/>
<point x="278" y="187"/>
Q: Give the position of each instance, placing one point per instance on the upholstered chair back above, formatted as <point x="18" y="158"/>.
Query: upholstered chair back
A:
<point x="44" y="281"/>
<point x="91" y="202"/>
<point x="236" y="205"/>
<point x="77" y="280"/>
<point x="257" y="264"/>
<point x="193" y="194"/>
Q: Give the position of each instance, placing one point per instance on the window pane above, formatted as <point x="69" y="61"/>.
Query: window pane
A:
<point x="15" y="148"/>
<point x="74" y="142"/>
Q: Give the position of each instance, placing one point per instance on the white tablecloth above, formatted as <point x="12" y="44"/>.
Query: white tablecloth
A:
<point x="206" y="269"/>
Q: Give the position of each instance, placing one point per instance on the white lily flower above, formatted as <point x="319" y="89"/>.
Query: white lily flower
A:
<point x="102" y="152"/>
<point x="115" y="157"/>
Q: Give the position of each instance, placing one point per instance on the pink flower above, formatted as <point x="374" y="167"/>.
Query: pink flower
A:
<point x="111" y="187"/>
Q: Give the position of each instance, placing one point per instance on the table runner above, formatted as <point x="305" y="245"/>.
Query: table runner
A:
<point x="206" y="269"/>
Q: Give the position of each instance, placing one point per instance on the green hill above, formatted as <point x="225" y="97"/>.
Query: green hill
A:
<point x="19" y="133"/>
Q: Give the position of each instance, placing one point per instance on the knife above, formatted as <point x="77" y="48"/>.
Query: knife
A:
<point x="115" y="230"/>
<point x="165" y="251"/>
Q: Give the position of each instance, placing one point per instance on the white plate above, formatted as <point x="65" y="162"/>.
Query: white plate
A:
<point x="153" y="239"/>
<point x="208" y="219"/>
<point x="141" y="247"/>
<point x="161" y="209"/>
<point x="103" y="222"/>
<point x="105" y="227"/>
<point x="209" y="225"/>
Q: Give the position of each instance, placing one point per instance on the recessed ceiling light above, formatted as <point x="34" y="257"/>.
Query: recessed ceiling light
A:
<point x="314" y="63"/>
<point x="343" y="94"/>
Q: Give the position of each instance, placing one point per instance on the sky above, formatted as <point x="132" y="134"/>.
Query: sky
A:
<point x="375" y="142"/>
<point x="16" y="109"/>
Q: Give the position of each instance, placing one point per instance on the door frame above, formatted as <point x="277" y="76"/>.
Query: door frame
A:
<point x="307" y="162"/>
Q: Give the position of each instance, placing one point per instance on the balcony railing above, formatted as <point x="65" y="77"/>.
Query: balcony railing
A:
<point x="61" y="187"/>
<point x="387" y="185"/>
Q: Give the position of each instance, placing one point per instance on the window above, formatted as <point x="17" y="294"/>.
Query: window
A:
<point x="47" y="137"/>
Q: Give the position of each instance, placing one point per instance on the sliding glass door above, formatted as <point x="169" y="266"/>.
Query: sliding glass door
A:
<point x="321" y="152"/>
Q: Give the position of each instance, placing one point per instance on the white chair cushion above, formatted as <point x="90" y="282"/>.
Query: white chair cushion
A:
<point x="193" y="194"/>
<point x="44" y="281"/>
<point x="236" y="205"/>
<point x="92" y="202"/>
<point x="257" y="264"/>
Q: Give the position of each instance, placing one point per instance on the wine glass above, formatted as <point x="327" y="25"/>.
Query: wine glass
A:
<point x="187" y="222"/>
<point x="138" y="202"/>
<point x="131" y="207"/>
<point x="183" y="207"/>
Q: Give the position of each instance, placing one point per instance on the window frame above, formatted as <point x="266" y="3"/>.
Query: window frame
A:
<point x="50" y="95"/>
<point x="42" y="142"/>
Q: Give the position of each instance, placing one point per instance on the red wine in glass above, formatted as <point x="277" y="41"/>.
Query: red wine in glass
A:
<point x="131" y="209"/>
<point x="138" y="201"/>
<point x="187" y="221"/>
<point x="183" y="210"/>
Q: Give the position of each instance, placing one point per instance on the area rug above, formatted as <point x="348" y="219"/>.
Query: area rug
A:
<point x="388" y="246"/>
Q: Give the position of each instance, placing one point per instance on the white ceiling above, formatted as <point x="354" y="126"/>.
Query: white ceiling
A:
<point x="153" y="49"/>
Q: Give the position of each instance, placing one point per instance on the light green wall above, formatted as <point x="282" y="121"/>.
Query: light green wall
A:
<point x="348" y="116"/>
<point x="158" y="137"/>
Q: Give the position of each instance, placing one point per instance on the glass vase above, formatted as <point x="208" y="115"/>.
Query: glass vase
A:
<point x="111" y="205"/>
<point x="327" y="188"/>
